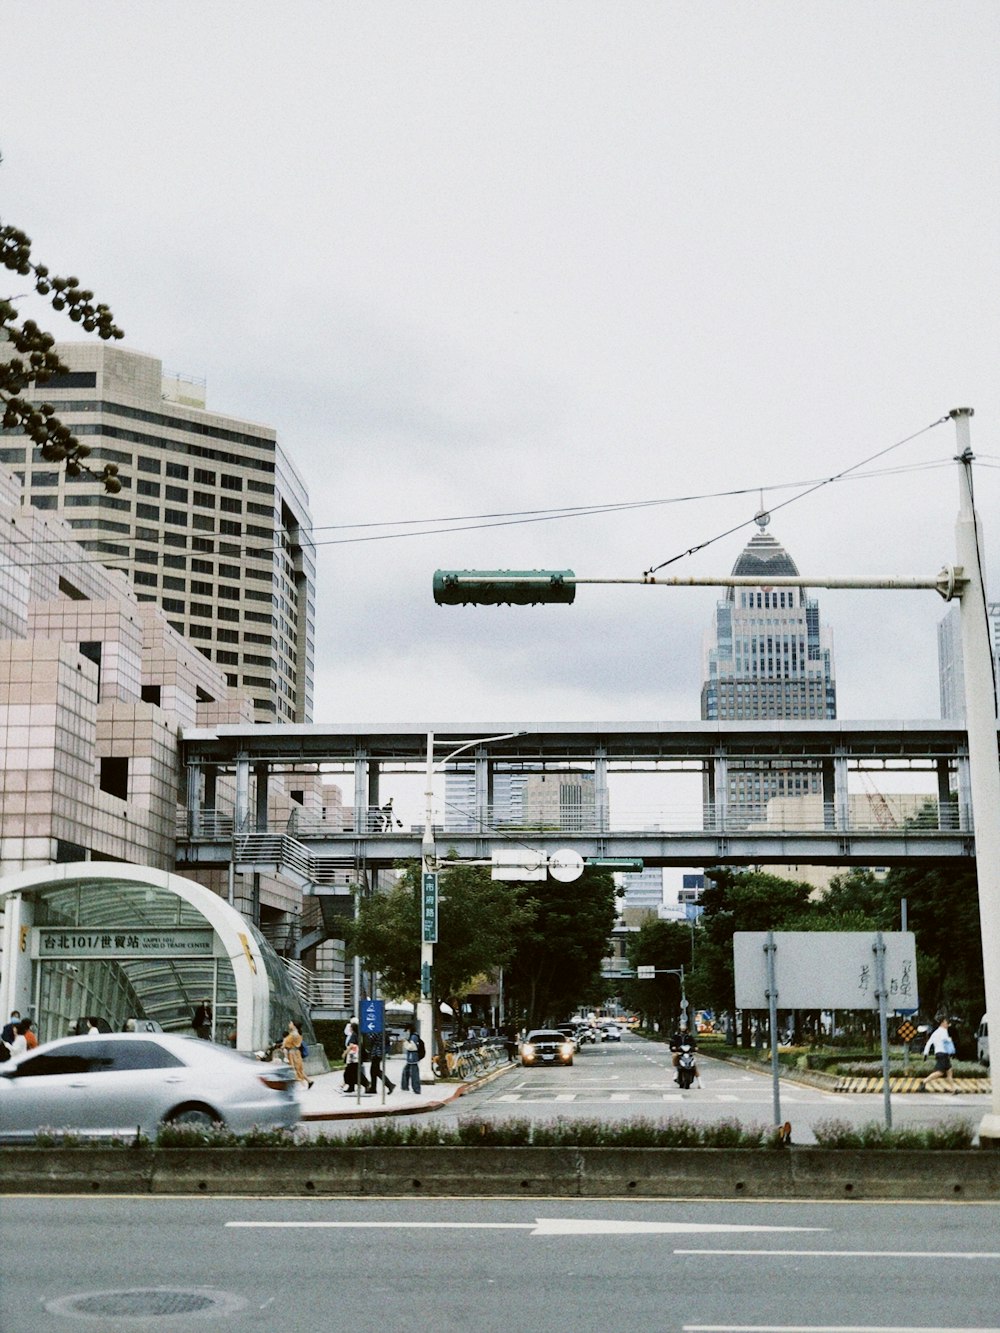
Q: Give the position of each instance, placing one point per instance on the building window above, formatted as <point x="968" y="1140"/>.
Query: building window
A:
<point x="148" y="512"/>
<point x="147" y="487"/>
<point x="231" y="483"/>
<point x="149" y="465"/>
<point x="178" y="517"/>
<point x="203" y="477"/>
<point x="179" y="470"/>
<point x="150" y="694"/>
<point x="171" y="581"/>
<point x="114" y="777"/>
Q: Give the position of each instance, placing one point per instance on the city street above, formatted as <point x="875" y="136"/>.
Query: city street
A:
<point x="635" y="1079"/>
<point x="300" y="1265"/>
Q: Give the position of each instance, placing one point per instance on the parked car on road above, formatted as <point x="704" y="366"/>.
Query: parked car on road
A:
<point x="118" y="1083"/>
<point x="547" y="1046"/>
<point x="983" y="1041"/>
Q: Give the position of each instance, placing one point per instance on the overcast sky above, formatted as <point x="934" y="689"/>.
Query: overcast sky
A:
<point x="480" y="259"/>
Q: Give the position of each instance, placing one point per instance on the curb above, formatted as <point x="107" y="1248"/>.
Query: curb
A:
<point x="870" y="1175"/>
<point x="378" y="1112"/>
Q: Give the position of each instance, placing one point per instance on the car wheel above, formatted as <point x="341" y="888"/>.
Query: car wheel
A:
<point x="194" y="1113"/>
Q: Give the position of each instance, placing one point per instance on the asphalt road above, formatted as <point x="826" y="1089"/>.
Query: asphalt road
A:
<point x="635" y="1079"/>
<point x="183" y="1265"/>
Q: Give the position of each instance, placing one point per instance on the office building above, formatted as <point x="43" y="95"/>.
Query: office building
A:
<point x="767" y="656"/>
<point x="212" y="522"/>
<point x="951" y="660"/>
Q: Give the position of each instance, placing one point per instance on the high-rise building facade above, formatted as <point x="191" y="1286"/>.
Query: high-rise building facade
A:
<point x="767" y="656"/>
<point x="212" y="522"/>
<point x="951" y="660"/>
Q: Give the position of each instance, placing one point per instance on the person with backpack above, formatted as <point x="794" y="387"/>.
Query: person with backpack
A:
<point x="414" y="1051"/>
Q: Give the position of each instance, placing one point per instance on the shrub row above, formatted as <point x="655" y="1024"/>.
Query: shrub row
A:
<point x="472" y="1133"/>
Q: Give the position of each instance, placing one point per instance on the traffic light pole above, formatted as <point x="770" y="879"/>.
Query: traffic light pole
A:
<point x="963" y="580"/>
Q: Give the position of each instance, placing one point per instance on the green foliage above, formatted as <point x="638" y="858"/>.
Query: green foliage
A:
<point x="841" y="1134"/>
<point x="217" y="1136"/>
<point x="663" y="945"/>
<point x="943" y="912"/>
<point x="33" y="360"/>
<point x="558" y="951"/>
<point x="479" y="919"/>
<point x="330" y="1035"/>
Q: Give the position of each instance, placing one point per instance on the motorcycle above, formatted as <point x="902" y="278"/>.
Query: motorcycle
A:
<point x="686" y="1066"/>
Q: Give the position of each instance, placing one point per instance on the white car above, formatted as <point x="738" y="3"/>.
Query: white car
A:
<point x="123" y="1082"/>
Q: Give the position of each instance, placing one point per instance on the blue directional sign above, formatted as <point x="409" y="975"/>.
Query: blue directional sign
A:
<point x="372" y="1016"/>
<point x="429" y="908"/>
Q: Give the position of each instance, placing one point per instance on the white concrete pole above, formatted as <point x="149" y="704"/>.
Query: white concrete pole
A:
<point x="428" y="866"/>
<point x="984" y="760"/>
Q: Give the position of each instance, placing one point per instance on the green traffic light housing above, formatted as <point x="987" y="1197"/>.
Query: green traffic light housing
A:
<point x="503" y="587"/>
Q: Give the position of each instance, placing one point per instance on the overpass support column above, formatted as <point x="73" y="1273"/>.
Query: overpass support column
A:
<point x="601" y="789"/>
<point x="261" y="773"/>
<point x="963" y="776"/>
<point x="483" y="791"/>
<point x="720" y="785"/>
<point x="242" y="814"/>
<point x="360" y="793"/>
<point x="193" y="799"/>
<point x="842" y="797"/>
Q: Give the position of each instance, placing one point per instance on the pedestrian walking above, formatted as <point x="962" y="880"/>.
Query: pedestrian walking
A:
<point x="376" y="1070"/>
<point x="354" y="1057"/>
<point x="940" y="1044"/>
<point x="292" y="1046"/>
<point x="201" y="1020"/>
<point x="414" y="1050"/>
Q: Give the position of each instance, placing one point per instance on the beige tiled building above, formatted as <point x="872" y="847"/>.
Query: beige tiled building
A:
<point x="211" y="524"/>
<point x="94" y="686"/>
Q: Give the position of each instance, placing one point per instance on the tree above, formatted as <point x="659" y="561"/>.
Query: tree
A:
<point x="665" y="945"/>
<point x="34" y="360"/>
<point x="478" y="921"/>
<point x="740" y="900"/>
<point x="943" y="913"/>
<point x="557" y="960"/>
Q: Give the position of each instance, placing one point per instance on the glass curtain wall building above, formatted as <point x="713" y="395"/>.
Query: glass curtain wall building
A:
<point x="767" y="656"/>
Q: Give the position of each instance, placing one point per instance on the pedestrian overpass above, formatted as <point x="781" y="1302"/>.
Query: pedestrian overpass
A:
<point x="845" y="812"/>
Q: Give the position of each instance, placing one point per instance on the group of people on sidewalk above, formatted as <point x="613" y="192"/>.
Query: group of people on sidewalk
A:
<point x="358" y="1053"/>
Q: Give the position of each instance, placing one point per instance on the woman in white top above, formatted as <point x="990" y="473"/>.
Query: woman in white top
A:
<point x="943" y="1048"/>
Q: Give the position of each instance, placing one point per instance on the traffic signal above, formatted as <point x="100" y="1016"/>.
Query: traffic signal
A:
<point x="499" y="587"/>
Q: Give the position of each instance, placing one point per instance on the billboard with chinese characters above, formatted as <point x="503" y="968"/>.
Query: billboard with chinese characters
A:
<point x="817" y="969"/>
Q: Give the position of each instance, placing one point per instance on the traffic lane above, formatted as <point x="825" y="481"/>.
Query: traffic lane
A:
<point x="573" y="1264"/>
<point x="636" y="1080"/>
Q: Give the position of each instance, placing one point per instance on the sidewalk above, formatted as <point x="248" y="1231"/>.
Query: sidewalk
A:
<point x="326" y="1100"/>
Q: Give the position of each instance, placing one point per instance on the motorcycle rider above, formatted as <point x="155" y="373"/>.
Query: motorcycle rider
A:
<point x="683" y="1037"/>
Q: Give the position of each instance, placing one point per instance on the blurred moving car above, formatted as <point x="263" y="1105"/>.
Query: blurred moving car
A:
<point x="983" y="1041"/>
<point x="612" y="1032"/>
<point x="121" y="1083"/>
<point x="571" y="1032"/>
<point x="547" y="1046"/>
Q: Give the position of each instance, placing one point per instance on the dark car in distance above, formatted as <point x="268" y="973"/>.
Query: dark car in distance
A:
<point x="547" y="1046"/>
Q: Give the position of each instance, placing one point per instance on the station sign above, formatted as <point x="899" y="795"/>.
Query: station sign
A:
<point x="77" y="942"/>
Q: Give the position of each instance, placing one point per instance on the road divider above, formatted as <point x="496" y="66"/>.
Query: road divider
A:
<point x="648" y="1173"/>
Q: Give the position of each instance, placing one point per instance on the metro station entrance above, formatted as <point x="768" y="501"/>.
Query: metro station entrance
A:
<point x="115" y="944"/>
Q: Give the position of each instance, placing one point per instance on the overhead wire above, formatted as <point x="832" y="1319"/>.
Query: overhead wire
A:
<point x="810" y="490"/>
<point x="502" y="518"/>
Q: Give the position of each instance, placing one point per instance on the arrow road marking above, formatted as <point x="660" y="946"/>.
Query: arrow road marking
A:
<point x="542" y="1226"/>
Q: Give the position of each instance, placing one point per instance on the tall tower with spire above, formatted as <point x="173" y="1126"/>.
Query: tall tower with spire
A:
<point x="768" y="656"/>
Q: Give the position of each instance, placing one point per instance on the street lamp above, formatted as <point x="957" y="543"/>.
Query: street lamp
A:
<point x="429" y="893"/>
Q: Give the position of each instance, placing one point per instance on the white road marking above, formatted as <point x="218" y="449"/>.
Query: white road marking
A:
<point x="858" y="1254"/>
<point x="832" y="1328"/>
<point x="542" y="1226"/>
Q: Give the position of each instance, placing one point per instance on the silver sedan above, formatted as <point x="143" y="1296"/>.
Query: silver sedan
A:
<point x="121" y="1083"/>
